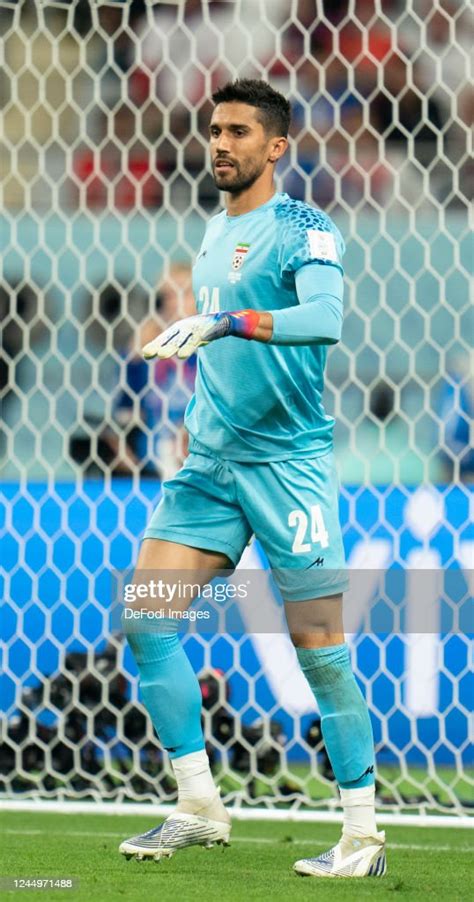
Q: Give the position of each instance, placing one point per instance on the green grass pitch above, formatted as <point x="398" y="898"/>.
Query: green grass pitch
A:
<point x="422" y="862"/>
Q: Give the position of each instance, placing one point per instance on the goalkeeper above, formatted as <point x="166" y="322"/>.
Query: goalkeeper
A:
<point x="268" y="286"/>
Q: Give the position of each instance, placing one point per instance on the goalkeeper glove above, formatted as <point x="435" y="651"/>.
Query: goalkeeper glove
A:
<point x="184" y="337"/>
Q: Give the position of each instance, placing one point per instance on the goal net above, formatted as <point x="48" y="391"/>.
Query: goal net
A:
<point x="105" y="195"/>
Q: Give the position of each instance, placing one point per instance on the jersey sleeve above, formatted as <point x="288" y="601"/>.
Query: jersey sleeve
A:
<point x="308" y="236"/>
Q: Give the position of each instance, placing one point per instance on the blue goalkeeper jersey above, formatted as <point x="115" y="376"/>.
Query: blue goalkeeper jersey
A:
<point x="254" y="401"/>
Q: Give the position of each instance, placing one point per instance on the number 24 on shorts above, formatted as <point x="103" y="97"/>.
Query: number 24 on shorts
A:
<point x="318" y="531"/>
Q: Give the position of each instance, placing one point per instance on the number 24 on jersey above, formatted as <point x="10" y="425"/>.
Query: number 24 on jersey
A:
<point x="317" y="530"/>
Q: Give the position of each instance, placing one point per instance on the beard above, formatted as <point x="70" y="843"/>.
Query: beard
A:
<point x="236" y="179"/>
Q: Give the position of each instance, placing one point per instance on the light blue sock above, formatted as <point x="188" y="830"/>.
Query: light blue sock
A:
<point x="345" y="721"/>
<point x="170" y="689"/>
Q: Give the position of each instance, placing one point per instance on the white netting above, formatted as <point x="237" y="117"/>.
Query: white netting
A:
<point x="106" y="191"/>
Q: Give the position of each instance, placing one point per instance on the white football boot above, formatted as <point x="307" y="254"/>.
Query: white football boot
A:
<point x="179" y="831"/>
<point x="351" y="857"/>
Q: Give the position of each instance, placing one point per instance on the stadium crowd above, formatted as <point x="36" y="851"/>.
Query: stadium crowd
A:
<point x="366" y="89"/>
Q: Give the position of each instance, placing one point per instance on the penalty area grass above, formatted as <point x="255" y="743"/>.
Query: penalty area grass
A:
<point x="258" y="865"/>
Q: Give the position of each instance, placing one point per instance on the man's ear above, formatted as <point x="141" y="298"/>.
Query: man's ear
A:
<point x="277" y="149"/>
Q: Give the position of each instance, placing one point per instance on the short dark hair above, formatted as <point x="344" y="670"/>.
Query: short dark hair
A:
<point x="275" y="111"/>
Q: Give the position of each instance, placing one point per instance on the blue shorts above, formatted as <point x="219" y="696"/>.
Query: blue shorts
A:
<point x="291" y="506"/>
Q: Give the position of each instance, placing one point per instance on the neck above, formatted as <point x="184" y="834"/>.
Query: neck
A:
<point x="249" y="199"/>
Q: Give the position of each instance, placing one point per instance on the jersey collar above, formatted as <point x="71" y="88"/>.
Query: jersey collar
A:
<point x="277" y="198"/>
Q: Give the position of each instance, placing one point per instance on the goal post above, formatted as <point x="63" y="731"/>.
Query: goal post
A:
<point x="105" y="194"/>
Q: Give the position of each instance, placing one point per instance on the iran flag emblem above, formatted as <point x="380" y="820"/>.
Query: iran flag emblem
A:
<point x="239" y="255"/>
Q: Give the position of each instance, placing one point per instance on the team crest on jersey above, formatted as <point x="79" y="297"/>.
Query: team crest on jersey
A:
<point x="240" y="254"/>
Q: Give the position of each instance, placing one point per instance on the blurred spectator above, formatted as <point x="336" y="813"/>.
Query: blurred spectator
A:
<point x="380" y="452"/>
<point x="22" y="328"/>
<point x="445" y="62"/>
<point x="456" y="189"/>
<point x="402" y="111"/>
<point x="150" y="409"/>
<point x="337" y="119"/>
<point x="382" y="401"/>
<point x="12" y="336"/>
<point x="125" y="173"/>
<point x="456" y="412"/>
<point x="96" y="444"/>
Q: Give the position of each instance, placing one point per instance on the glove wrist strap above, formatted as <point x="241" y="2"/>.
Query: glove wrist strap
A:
<point x="243" y="323"/>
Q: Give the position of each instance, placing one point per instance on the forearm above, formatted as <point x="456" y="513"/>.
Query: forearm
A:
<point x="319" y="321"/>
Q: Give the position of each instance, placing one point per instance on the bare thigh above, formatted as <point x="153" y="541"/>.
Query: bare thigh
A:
<point x="168" y="564"/>
<point x="316" y="623"/>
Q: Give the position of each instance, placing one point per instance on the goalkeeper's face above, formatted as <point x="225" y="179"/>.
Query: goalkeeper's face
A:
<point x="241" y="149"/>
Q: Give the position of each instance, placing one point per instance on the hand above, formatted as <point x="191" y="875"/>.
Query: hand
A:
<point x="184" y="337"/>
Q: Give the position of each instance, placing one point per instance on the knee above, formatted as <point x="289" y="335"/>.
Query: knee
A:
<point x="319" y="639"/>
<point x="316" y="623"/>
